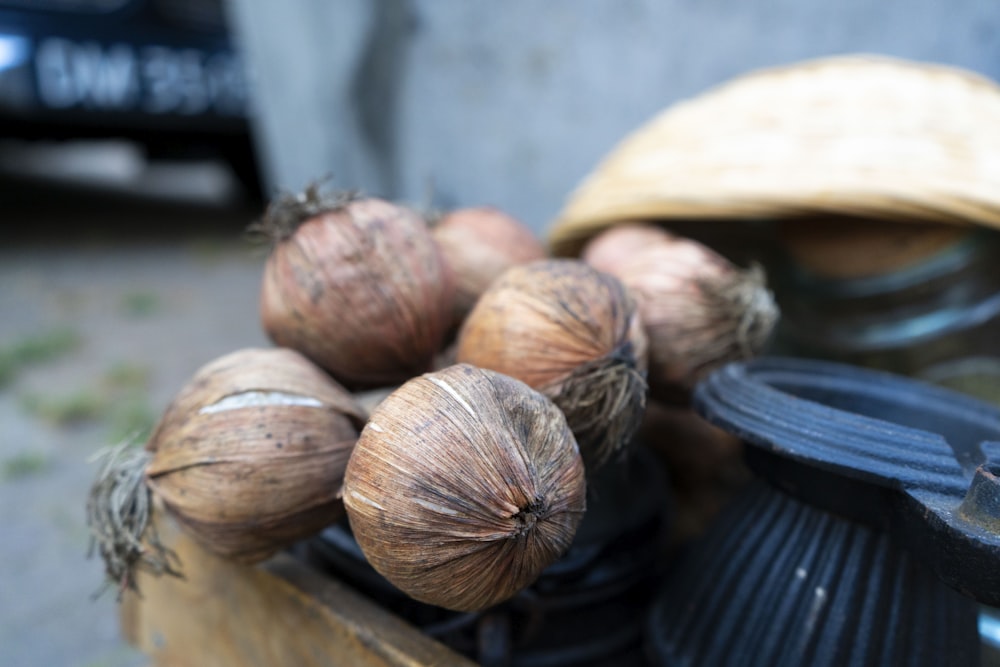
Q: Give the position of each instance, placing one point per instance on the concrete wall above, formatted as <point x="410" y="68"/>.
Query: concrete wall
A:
<point x="454" y="102"/>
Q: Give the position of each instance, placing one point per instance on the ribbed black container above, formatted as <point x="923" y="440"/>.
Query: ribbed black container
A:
<point x="938" y="318"/>
<point x="875" y="492"/>
<point x="779" y="582"/>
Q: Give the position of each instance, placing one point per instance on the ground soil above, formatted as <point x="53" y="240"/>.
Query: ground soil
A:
<point x="125" y="297"/>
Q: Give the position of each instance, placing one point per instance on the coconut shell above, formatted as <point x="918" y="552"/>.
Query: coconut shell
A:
<point x="360" y="288"/>
<point x="573" y="333"/>
<point x="614" y="249"/>
<point x="464" y="486"/>
<point x="251" y="453"/>
<point x="699" y="311"/>
<point x="478" y="245"/>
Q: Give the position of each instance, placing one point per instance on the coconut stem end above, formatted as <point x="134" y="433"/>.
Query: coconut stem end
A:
<point x="118" y="515"/>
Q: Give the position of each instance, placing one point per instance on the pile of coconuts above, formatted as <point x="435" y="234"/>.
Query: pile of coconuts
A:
<point x="506" y="378"/>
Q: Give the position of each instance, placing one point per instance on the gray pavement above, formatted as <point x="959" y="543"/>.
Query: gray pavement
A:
<point x="122" y="301"/>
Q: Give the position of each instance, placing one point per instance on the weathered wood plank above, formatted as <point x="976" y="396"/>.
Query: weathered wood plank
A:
<point x="281" y="613"/>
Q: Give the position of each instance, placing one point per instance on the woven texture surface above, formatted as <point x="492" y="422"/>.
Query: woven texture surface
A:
<point x="863" y="136"/>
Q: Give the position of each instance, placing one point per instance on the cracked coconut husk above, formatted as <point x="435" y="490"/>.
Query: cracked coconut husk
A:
<point x="118" y="516"/>
<point x="289" y="210"/>
<point x="604" y="401"/>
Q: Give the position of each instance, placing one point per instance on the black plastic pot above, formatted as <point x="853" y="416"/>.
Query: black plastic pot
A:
<point x="879" y="498"/>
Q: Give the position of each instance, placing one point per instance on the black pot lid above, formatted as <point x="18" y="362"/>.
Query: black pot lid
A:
<point x="918" y="461"/>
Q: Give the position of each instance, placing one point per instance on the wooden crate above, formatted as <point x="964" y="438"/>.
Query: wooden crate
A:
<point x="279" y="613"/>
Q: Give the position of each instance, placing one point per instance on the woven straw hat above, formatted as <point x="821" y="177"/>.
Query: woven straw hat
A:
<point x="857" y="135"/>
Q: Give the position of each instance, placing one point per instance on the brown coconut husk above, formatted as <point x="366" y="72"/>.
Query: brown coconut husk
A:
<point x="573" y="333"/>
<point x="286" y="213"/>
<point x="742" y="297"/>
<point x="604" y="400"/>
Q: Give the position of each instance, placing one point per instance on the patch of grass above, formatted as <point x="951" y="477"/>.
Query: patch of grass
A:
<point x="8" y="368"/>
<point x="47" y="346"/>
<point x="140" y="303"/>
<point x="119" y="401"/>
<point x="127" y="376"/>
<point x="78" y="407"/>
<point x="25" y="464"/>
<point x="36" y="349"/>
<point x="131" y="416"/>
<point x="132" y="420"/>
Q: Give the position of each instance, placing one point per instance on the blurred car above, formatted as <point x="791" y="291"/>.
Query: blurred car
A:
<point x="161" y="72"/>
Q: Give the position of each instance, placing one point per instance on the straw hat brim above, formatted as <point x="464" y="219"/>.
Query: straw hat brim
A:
<point x="864" y="136"/>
